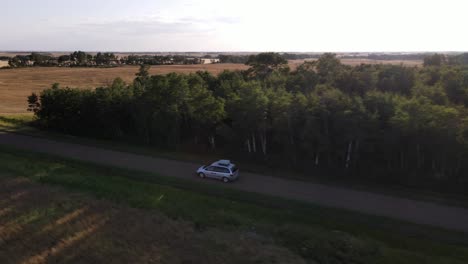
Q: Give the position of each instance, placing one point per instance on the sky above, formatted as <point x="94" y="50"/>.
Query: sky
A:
<point x="234" y="25"/>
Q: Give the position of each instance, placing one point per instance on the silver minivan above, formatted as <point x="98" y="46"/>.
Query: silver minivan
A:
<point x="222" y="169"/>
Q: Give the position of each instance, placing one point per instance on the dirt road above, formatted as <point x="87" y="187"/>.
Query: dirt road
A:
<point x="398" y="208"/>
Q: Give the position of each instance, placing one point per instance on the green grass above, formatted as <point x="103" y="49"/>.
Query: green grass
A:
<point x="316" y="233"/>
<point x="16" y="122"/>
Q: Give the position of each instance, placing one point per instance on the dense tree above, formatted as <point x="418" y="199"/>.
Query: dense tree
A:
<point x="328" y="67"/>
<point x="390" y="123"/>
<point x="434" y="60"/>
<point x="396" y="78"/>
<point x="264" y="64"/>
<point x="104" y="58"/>
<point x="304" y="79"/>
<point x="455" y="83"/>
<point x="461" y="59"/>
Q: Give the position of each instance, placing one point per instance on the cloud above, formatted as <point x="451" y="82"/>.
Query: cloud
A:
<point x="211" y="20"/>
<point x="150" y="26"/>
<point x="146" y="33"/>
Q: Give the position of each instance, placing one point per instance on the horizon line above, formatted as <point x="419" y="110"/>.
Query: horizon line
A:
<point x="318" y="52"/>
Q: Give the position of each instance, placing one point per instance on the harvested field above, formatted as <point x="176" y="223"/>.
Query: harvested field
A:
<point x="17" y="84"/>
<point x="42" y="224"/>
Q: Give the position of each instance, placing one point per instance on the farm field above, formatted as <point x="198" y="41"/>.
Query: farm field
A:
<point x="17" y="84"/>
<point x="3" y="63"/>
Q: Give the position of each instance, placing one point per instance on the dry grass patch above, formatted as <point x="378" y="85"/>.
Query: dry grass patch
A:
<point x="48" y="225"/>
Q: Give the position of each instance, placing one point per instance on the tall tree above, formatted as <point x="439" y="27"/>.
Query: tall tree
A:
<point x="264" y="64"/>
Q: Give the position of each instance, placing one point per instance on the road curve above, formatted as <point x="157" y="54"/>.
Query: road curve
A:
<point x="419" y="212"/>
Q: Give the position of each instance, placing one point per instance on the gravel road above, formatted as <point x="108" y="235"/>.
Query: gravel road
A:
<point x="419" y="212"/>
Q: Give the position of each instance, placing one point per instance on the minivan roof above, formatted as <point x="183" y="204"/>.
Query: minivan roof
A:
<point x="223" y="163"/>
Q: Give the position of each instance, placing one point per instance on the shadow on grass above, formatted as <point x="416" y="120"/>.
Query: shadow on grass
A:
<point x="53" y="226"/>
<point x="11" y="120"/>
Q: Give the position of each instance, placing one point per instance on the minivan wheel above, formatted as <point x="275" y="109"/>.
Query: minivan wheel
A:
<point x="225" y="179"/>
<point x="201" y="174"/>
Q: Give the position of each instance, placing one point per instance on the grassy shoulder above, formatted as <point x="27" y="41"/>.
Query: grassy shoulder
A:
<point x="315" y="233"/>
<point x="16" y="122"/>
<point x="21" y="123"/>
<point x="49" y="224"/>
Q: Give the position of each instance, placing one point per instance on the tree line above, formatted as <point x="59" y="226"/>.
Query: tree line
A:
<point x="441" y="59"/>
<point x="389" y="123"/>
<point x="160" y="60"/>
<point x="244" y="58"/>
<point x="77" y="58"/>
<point x="83" y="59"/>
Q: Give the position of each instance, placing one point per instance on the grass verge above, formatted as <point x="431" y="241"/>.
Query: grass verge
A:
<point x="317" y="234"/>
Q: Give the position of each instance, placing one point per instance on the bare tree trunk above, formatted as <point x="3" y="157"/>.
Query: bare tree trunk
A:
<point x="317" y="156"/>
<point x="254" y="145"/>
<point x="290" y="133"/>
<point x="348" y="155"/>
<point x="458" y="166"/>
<point x="211" y="139"/>
<point x="401" y="160"/>
<point x="263" y="140"/>
<point x="356" y="151"/>
<point x="443" y="164"/>
<point x="418" y="156"/>
<point x="248" y="145"/>
<point x="423" y="160"/>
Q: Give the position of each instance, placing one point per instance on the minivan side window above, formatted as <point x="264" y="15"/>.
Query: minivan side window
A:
<point x="223" y="170"/>
<point x="211" y="168"/>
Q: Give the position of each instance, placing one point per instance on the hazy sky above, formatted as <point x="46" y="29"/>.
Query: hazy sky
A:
<point x="234" y="25"/>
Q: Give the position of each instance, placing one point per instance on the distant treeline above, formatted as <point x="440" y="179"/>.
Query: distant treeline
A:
<point x="244" y="58"/>
<point x="414" y="56"/>
<point x="233" y="58"/>
<point x="389" y="123"/>
<point x="160" y="60"/>
<point x="441" y="59"/>
<point x="77" y="58"/>
<point x="83" y="59"/>
<point x="461" y="59"/>
<point x="299" y="56"/>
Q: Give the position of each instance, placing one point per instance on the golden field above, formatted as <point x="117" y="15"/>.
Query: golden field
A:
<point x="17" y="84"/>
<point x="3" y="63"/>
